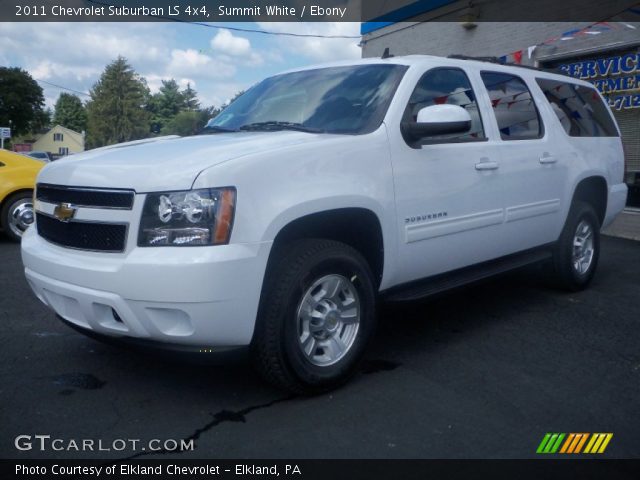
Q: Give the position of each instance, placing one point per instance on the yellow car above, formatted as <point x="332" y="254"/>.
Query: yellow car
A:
<point x="17" y="181"/>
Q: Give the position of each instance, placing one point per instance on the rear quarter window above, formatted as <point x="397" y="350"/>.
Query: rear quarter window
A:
<point x="580" y="109"/>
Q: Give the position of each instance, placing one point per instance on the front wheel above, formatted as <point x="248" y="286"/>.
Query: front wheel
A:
<point x="576" y="254"/>
<point x="316" y="316"/>
<point x="17" y="214"/>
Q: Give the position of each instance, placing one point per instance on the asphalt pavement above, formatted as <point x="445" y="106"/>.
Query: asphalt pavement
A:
<point x="483" y="372"/>
<point x="626" y="225"/>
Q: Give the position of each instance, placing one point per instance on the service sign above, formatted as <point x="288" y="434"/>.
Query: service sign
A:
<point x="617" y="78"/>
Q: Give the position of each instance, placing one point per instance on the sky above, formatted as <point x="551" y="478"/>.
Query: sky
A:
<point x="216" y="62"/>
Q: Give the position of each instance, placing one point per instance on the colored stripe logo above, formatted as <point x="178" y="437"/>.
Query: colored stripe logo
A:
<point x="574" y="443"/>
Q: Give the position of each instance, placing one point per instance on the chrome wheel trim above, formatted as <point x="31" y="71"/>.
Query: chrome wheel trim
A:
<point x="328" y="319"/>
<point x="583" y="247"/>
<point x="20" y="216"/>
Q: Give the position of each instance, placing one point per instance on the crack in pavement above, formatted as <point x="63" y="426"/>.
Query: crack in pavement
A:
<point x="370" y="366"/>
<point x="220" y="417"/>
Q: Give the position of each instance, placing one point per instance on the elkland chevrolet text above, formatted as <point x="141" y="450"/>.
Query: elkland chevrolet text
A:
<point x="317" y="192"/>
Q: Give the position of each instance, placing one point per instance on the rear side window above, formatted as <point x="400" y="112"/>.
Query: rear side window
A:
<point x="580" y="109"/>
<point x="515" y="110"/>
<point x="446" y="86"/>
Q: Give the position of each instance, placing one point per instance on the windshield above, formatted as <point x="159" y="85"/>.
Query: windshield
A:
<point x="349" y="100"/>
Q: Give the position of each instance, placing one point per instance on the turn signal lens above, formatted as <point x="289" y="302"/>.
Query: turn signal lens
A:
<point x="224" y="222"/>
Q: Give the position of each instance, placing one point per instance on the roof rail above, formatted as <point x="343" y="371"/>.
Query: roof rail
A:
<point x="479" y="59"/>
<point x="497" y="61"/>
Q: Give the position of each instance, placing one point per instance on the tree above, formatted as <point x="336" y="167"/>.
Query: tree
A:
<point x="165" y="104"/>
<point x="170" y="99"/>
<point x="186" y="123"/>
<point x="21" y="101"/>
<point x="70" y="113"/>
<point x="210" y="112"/>
<point x="190" y="98"/>
<point x="116" y="112"/>
<point x="190" y="122"/>
<point x="42" y="120"/>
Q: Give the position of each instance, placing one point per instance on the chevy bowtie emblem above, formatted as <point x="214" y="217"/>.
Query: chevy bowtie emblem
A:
<point x="64" y="212"/>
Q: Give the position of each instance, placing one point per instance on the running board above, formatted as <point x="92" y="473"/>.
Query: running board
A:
<point x="450" y="280"/>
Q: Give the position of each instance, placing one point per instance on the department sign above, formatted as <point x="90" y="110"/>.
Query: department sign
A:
<point x="617" y="78"/>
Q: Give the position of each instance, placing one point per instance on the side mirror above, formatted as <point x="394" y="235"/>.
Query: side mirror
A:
<point x="438" y="120"/>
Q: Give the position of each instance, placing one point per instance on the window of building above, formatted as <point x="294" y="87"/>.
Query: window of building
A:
<point x="513" y="105"/>
<point x="63" y="151"/>
<point x="580" y="110"/>
<point x="446" y="86"/>
<point x="58" y="137"/>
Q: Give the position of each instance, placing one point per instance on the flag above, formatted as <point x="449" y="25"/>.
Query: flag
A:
<point x="568" y="35"/>
<point x="517" y="57"/>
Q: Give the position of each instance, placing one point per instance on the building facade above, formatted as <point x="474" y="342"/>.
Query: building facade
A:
<point x="604" y="53"/>
<point x="59" y="142"/>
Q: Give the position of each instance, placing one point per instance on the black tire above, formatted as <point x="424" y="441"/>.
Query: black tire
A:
<point x="5" y="212"/>
<point x="276" y="347"/>
<point x="565" y="274"/>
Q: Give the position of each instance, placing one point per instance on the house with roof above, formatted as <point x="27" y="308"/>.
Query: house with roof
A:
<point x="59" y="141"/>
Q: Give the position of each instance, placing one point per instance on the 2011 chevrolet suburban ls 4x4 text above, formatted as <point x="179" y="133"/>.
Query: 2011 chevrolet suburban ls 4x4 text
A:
<point x="316" y="192"/>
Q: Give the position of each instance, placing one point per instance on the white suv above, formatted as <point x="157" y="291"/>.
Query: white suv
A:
<point x="319" y="191"/>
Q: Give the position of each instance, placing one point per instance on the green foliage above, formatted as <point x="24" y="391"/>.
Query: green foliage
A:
<point x="70" y="113"/>
<point x="169" y="102"/>
<point x="190" y="98"/>
<point x="190" y="122"/>
<point x="186" y="123"/>
<point x="116" y="112"/>
<point x="43" y="119"/>
<point x="210" y="112"/>
<point x="121" y="107"/>
<point x="21" y="101"/>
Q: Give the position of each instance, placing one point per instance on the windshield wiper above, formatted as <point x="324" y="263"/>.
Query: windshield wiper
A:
<point x="274" y="126"/>
<point x="217" y="129"/>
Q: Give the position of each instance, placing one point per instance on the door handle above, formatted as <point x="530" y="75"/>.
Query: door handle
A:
<point x="546" y="159"/>
<point x="487" y="165"/>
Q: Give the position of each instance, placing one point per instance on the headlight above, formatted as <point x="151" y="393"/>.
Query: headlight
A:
<point x="194" y="217"/>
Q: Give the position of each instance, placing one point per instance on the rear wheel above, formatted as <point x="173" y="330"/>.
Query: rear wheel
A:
<point x="17" y="214"/>
<point x="576" y="254"/>
<point x="316" y="316"/>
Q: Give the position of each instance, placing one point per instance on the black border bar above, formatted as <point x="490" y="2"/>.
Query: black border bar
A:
<point x="542" y="468"/>
<point x="366" y="11"/>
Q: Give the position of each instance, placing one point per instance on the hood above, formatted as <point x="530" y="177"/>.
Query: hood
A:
<point x="166" y="163"/>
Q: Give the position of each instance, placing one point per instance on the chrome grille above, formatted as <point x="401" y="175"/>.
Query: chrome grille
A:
<point x="85" y="197"/>
<point x="70" y="217"/>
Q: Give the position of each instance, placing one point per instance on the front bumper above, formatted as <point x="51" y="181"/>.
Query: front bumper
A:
<point x="195" y="296"/>
<point x="170" y="351"/>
